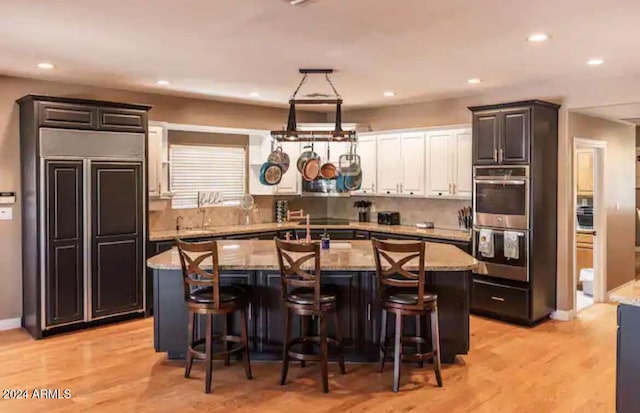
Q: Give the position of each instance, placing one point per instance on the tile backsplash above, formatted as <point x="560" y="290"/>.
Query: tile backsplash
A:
<point x="443" y="213"/>
<point x="165" y="219"/>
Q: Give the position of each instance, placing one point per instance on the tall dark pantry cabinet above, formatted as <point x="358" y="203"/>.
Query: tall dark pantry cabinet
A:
<point x="84" y="212"/>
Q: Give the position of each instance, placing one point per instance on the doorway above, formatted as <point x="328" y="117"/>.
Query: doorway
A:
<point x="589" y="228"/>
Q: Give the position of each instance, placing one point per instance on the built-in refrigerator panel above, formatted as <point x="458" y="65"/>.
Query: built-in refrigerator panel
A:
<point x="93" y="206"/>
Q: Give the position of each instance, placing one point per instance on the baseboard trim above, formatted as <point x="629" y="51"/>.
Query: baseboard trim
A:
<point x="563" y="315"/>
<point x="10" y="324"/>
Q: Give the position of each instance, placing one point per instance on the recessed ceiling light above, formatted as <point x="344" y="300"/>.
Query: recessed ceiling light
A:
<point x="474" y="81"/>
<point x="45" y="65"/>
<point x="163" y="82"/>
<point x="537" y="37"/>
<point x="254" y="94"/>
<point x="596" y="61"/>
<point x="389" y="93"/>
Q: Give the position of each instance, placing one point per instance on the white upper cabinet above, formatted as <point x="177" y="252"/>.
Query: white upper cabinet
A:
<point x="448" y="163"/>
<point x="388" y="171"/>
<point x="438" y="168"/>
<point x="154" y="159"/>
<point x="368" y="160"/>
<point x="412" y="164"/>
<point x="158" y="161"/>
<point x="290" y="183"/>
<point x="462" y="174"/>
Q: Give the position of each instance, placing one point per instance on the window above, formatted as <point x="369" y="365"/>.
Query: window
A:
<point x="197" y="168"/>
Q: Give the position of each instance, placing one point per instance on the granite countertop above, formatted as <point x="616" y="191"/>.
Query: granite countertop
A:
<point x="445" y="234"/>
<point x="629" y="294"/>
<point x="343" y="255"/>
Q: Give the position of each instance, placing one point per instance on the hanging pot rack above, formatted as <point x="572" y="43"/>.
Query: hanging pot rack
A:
<point x="291" y="132"/>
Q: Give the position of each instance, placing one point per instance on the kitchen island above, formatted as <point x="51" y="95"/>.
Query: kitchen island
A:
<point x="349" y="265"/>
<point x="628" y="357"/>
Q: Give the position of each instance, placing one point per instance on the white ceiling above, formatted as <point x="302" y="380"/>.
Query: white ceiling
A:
<point x="421" y="49"/>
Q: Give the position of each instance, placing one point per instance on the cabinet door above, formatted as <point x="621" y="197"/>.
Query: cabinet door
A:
<point x="117" y="237"/>
<point x="389" y="173"/>
<point x="67" y="115"/>
<point x="290" y="183"/>
<point x="412" y="164"/>
<point x="122" y="120"/>
<point x="350" y="310"/>
<point x="64" y="279"/>
<point x="485" y="138"/>
<point x="462" y="163"/>
<point x="270" y="325"/>
<point x="154" y="160"/>
<point x="439" y="182"/>
<point x="368" y="160"/>
<point x="514" y="145"/>
<point x="584" y="161"/>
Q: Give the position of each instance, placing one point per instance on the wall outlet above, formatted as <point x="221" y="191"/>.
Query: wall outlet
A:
<point x="6" y="214"/>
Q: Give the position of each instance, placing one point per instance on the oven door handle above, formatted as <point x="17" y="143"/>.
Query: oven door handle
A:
<point x="501" y="181"/>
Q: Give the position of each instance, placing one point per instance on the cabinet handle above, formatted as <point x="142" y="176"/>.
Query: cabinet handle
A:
<point x="495" y="155"/>
<point x="500" y="155"/>
<point x="388" y="192"/>
<point x="369" y="312"/>
<point x="450" y="188"/>
<point x="249" y="316"/>
<point x="454" y="188"/>
<point x="494" y="298"/>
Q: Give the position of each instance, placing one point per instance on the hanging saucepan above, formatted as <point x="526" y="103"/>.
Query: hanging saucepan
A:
<point x="349" y="164"/>
<point x="270" y="173"/>
<point x="328" y="170"/>
<point x="311" y="169"/>
<point x="304" y="156"/>
<point x="280" y="157"/>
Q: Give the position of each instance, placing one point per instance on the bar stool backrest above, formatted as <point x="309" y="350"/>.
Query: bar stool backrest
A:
<point x="192" y="255"/>
<point x="390" y="270"/>
<point x="291" y="272"/>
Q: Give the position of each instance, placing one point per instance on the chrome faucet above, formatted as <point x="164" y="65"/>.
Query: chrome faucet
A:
<point x="179" y="221"/>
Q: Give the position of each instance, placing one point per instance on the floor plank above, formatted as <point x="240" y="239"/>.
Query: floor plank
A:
<point x="556" y="367"/>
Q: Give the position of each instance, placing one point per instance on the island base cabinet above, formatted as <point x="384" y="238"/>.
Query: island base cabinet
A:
<point x="358" y="313"/>
<point x="452" y="289"/>
<point x="270" y="333"/>
<point x="628" y="359"/>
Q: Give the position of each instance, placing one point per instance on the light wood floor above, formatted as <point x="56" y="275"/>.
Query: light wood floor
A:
<point x="557" y="367"/>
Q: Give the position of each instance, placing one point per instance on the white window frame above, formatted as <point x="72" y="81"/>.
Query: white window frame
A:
<point x="178" y="200"/>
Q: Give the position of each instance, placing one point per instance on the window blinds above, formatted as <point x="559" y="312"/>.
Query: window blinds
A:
<point x="196" y="168"/>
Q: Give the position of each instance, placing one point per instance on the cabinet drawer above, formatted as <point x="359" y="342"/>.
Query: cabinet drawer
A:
<point x="500" y="299"/>
<point x="67" y="115"/>
<point x="122" y="120"/>
<point x="584" y="238"/>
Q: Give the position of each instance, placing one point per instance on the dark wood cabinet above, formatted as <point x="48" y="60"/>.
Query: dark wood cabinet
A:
<point x="83" y="219"/>
<point x="117" y="237"/>
<point x="514" y="137"/>
<point x="64" y="281"/>
<point x="522" y="133"/>
<point x="501" y="136"/>
<point x="499" y="299"/>
<point x="486" y="139"/>
<point x="122" y="120"/>
<point x="67" y="115"/>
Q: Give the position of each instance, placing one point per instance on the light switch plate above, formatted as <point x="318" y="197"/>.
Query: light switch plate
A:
<point x="6" y="214"/>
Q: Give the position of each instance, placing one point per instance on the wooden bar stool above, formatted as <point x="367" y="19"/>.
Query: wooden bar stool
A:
<point x="204" y="296"/>
<point x="307" y="299"/>
<point x="402" y="292"/>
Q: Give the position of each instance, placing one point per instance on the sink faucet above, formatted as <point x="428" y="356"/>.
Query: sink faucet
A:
<point x="179" y="221"/>
<point x="300" y="214"/>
